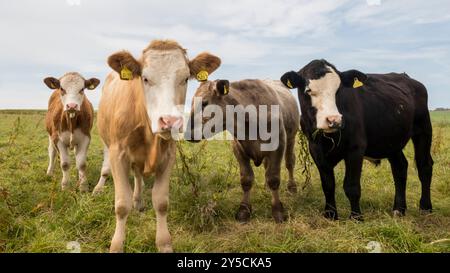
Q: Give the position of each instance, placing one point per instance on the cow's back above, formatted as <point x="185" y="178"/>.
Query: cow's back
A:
<point x="388" y="104"/>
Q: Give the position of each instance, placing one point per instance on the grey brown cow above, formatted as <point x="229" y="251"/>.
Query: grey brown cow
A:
<point x="244" y="95"/>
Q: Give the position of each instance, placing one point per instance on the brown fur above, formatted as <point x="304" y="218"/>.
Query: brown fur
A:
<point x="164" y="45"/>
<point x="124" y="59"/>
<point x="57" y="120"/>
<point x="204" y="61"/>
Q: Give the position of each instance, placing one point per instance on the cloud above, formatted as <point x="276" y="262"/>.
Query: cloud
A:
<point x="398" y="13"/>
<point x="285" y="18"/>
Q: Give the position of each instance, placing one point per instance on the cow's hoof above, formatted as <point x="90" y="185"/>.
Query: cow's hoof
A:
<point x="84" y="187"/>
<point x="356" y="217"/>
<point x="244" y="212"/>
<point x="331" y="215"/>
<point x="49" y="173"/>
<point x="278" y="213"/>
<point x="139" y="205"/>
<point x="165" y="249"/>
<point x="64" y="187"/>
<point x="292" y="187"/>
<point x="97" y="190"/>
<point x="398" y="213"/>
<point x="115" y="250"/>
<point x="425" y="211"/>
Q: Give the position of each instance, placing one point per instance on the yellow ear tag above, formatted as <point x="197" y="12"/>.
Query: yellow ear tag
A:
<point x="289" y="84"/>
<point x="357" y="83"/>
<point x="126" y="74"/>
<point x="52" y="86"/>
<point x="225" y="90"/>
<point x="202" y="76"/>
<point x="91" y="87"/>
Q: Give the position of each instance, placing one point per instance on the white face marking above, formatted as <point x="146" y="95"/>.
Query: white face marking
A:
<point x="73" y="86"/>
<point x="166" y="73"/>
<point x="323" y="98"/>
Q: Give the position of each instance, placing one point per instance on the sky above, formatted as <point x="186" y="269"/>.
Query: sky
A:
<point x="254" y="38"/>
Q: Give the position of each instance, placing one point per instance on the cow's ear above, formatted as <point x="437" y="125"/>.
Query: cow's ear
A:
<point x="92" y="83"/>
<point x="353" y="78"/>
<point x="52" y="83"/>
<point x="293" y="80"/>
<point x="203" y="65"/>
<point x="125" y="64"/>
<point x="223" y="87"/>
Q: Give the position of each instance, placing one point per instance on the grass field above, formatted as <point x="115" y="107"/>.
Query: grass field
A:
<point x="35" y="216"/>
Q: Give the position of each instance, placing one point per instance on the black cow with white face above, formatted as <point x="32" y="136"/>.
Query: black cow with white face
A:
<point x="351" y="116"/>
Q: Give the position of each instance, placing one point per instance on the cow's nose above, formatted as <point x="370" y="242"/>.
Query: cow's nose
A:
<point x="168" y="122"/>
<point x="334" y="122"/>
<point x="72" y="106"/>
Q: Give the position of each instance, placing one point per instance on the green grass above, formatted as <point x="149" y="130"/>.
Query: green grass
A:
<point x="35" y="216"/>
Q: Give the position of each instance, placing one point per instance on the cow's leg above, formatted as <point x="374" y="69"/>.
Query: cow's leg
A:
<point x="160" y="201"/>
<point x="399" y="167"/>
<point x="272" y="175"/>
<point x="247" y="177"/>
<point x="290" y="163"/>
<point x="328" y="187"/>
<point x="65" y="164"/>
<point x="80" y="157"/>
<point x="352" y="182"/>
<point x="51" y="156"/>
<point x="138" y="203"/>
<point x="424" y="163"/>
<point x="105" y="172"/>
<point x="123" y="196"/>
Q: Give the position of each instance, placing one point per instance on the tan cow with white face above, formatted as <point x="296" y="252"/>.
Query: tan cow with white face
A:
<point x="69" y="122"/>
<point x="141" y="108"/>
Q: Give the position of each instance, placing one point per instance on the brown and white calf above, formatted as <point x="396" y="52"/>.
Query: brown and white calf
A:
<point x="69" y="122"/>
<point x="243" y="96"/>
<point x="140" y="109"/>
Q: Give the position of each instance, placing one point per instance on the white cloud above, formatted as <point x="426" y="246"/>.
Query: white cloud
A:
<point x="285" y="18"/>
<point x="399" y="13"/>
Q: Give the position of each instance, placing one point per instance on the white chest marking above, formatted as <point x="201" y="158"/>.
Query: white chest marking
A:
<point x="77" y="138"/>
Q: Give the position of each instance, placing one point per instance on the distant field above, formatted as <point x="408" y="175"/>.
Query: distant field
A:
<point x="35" y="216"/>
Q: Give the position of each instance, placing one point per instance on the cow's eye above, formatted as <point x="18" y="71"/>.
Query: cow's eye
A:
<point x="63" y="91"/>
<point x="148" y="82"/>
<point x="183" y="82"/>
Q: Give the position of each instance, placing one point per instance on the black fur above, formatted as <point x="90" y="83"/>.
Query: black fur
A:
<point x="380" y="118"/>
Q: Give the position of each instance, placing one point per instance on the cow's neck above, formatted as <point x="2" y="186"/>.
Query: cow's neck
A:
<point x="230" y="99"/>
